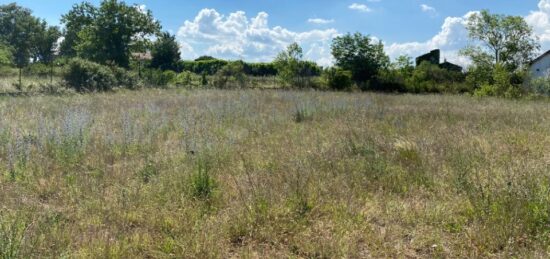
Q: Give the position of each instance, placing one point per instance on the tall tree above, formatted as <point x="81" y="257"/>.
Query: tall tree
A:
<point x="165" y="52"/>
<point x="19" y="30"/>
<point x="79" y="17"/>
<point x="503" y="39"/>
<point x="109" y="33"/>
<point x="359" y="54"/>
<point x="45" y="47"/>
<point x="292" y="69"/>
<point x="287" y="63"/>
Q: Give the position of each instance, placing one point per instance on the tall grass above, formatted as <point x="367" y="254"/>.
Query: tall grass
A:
<point x="252" y="173"/>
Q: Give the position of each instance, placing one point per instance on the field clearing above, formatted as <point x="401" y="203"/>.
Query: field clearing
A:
<point x="262" y="173"/>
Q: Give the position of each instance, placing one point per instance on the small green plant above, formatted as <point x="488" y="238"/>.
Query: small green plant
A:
<point x="303" y="113"/>
<point x="202" y="183"/>
<point x="12" y="235"/>
<point x="148" y="172"/>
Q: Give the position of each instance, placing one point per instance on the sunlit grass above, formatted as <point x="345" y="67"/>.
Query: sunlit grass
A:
<point x="262" y="173"/>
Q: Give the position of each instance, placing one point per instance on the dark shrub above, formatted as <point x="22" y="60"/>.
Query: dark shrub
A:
<point x="126" y="78"/>
<point x="85" y="76"/>
<point x="390" y="81"/>
<point x="429" y="78"/>
<point x="338" y="79"/>
<point x="157" y="77"/>
<point x="208" y="66"/>
<point x="37" y="69"/>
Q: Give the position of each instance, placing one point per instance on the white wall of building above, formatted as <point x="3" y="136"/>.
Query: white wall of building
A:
<point x="541" y="67"/>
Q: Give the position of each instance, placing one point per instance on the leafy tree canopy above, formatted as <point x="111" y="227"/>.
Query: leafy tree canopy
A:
<point x="503" y="39"/>
<point x="166" y="52"/>
<point x="359" y="54"/>
<point x="109" y="33"/>
<point x="24" y="34"/>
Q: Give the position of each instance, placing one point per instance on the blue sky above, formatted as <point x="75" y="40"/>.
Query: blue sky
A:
<point x="256" y="30"/>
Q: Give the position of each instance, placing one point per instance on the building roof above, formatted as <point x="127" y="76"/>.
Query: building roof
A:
<point x="142" y="55"/>
<point x="540" y="57"/>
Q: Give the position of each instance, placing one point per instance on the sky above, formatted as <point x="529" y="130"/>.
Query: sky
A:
<point x="256" y="30"/>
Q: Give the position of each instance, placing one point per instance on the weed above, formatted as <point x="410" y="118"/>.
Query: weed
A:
<point x="303" y="113"/>
<point x="202" y="182"/>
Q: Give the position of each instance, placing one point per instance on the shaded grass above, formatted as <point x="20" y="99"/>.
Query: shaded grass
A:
<point x="209" y="173"/>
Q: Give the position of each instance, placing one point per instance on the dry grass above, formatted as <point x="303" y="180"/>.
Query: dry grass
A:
<point x="209" y="174"/>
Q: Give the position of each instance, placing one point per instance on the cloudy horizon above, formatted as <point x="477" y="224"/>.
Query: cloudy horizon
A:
<point x="257" y="32"/>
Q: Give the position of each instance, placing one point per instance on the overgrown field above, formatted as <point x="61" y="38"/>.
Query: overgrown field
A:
<point x="218" y="174"/>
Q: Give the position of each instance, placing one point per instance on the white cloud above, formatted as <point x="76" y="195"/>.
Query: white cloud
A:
<point x="141" y="8"/>
<point x="360" y="7"/>
<point x="452" y="37"/>
<point x="238" y="37"/>
<point x="540" y="21"/>
<point x="427" y="9"/>
<point x="320" y="21"/>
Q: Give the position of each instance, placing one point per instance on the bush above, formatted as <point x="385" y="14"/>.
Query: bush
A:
<point x="338" y="79"/>
<point x="85" y="76"/>
<point x="204" y="80"/>
<point x="208" y="66"/>
<point x="540" y="86"/>
<point x="6" y="71"/>
<point x="126" y="78"/>
<point x="260" y="69"/>
<point x="390" y="81"/>
<point x="184" y="79"/>
<point x="37" y="69"/>
<point x="230" y="76"/>
<point x="161" y="78"/>
<point x="503" y="84"/>
<point x="429" y="78"/>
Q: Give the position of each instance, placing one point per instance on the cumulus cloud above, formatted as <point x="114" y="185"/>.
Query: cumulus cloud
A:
<point x="360" y="7"/>
<point x="453" y="36"/>
<point x="540" y="21"/>
<point x="237" y="36"/>
<point x="320" y="21"/>
<point x="450" y="39"/>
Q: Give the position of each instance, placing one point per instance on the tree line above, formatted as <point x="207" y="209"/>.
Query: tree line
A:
<point x="101" y="40"/>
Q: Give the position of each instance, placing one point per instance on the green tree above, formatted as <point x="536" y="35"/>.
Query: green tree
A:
<point x="166" y="52"/>
<point x="404" y="64"/>
<point x="45" y="47"/>
<point x="292" y="69"/>
<point x="79" y="17"/>
<point x="6" y="56"/>
<point x="287" y="63"/>
<point x="359" y="54"/>
<point x="19" y="30"/>
<point x="500" y="39"/>
<point x="109" y="33"/>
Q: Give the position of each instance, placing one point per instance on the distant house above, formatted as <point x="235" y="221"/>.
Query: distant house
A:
<point x="434" y="58"/>
<point x="450" y="66"/>
<point x="142" y="55"/>
<point x="540" y="67"/>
